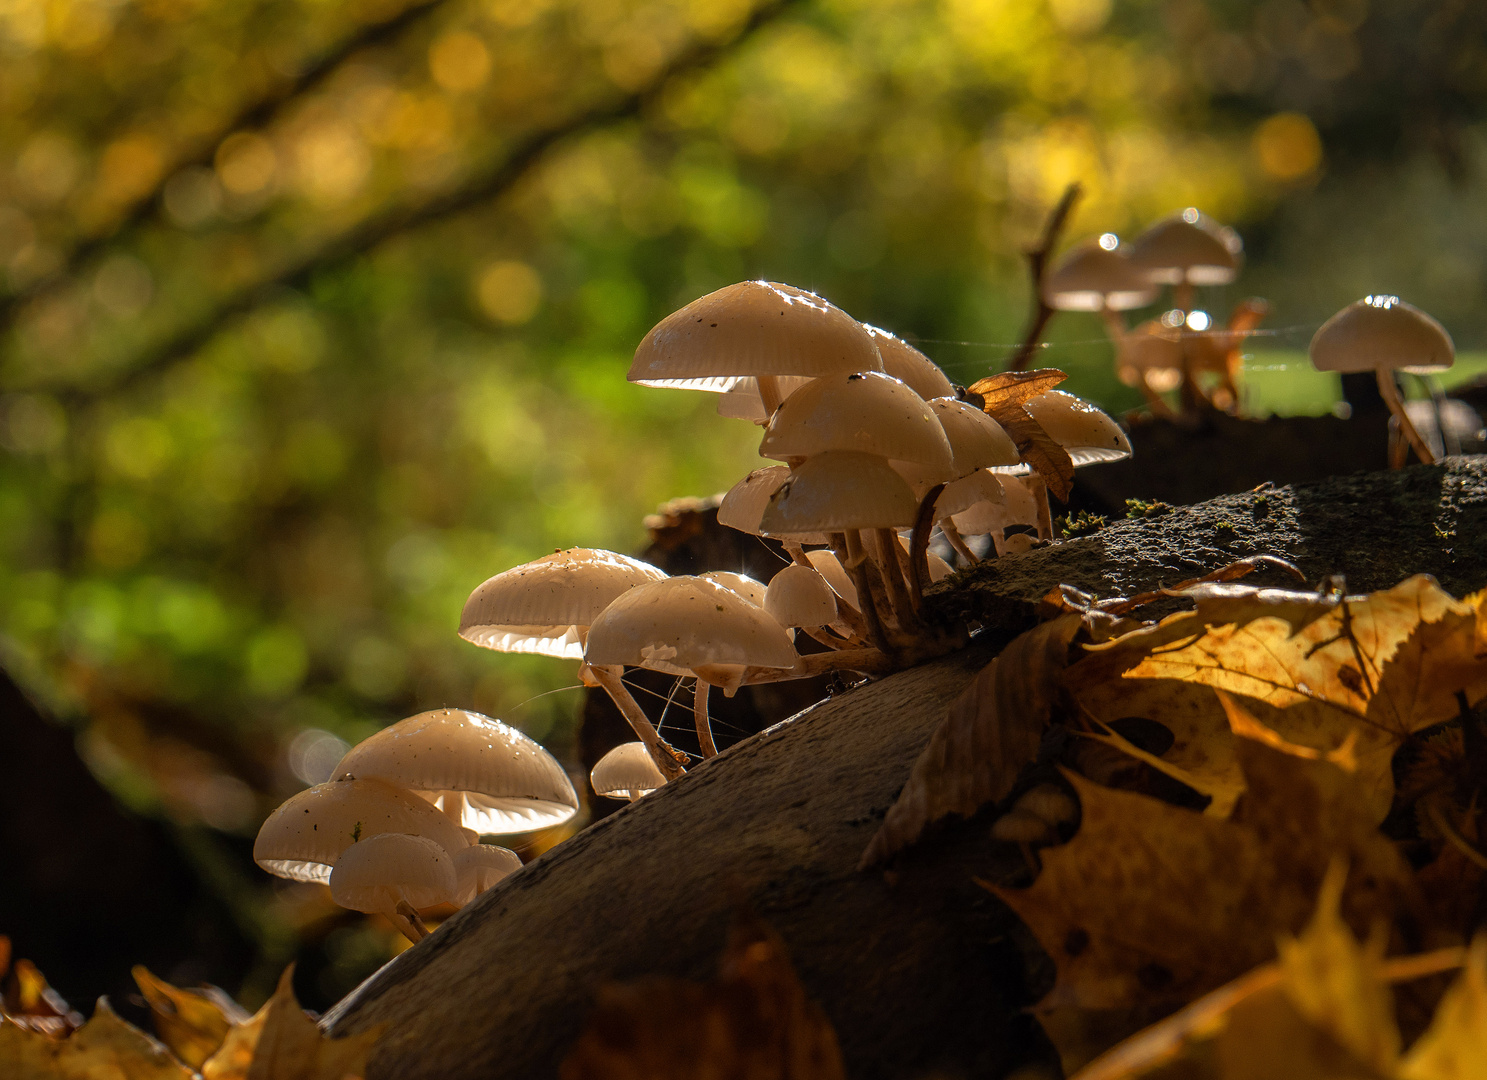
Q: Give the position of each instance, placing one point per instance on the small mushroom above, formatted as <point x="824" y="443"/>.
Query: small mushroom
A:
<point x="1095" y="276"/>
<point x="907" y="364"/>
<point x="1383" y="334"/>
<point x="393" y="875"/>
<point x="626" y="772"/>
<point x="799" y="596"/>
<point x="479" y="866"/>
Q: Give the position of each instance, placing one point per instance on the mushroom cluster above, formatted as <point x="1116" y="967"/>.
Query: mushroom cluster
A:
<point x="1183" y="251"/>
<point x="881" y="455"/>
<point x="397" y="828"/>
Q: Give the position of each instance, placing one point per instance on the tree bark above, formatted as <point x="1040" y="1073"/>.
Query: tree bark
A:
<point x="921" y="971"/>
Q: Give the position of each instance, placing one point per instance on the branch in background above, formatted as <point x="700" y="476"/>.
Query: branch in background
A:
<point x="1037" y="262"/>
<point x="254" y="114"/>
<point x="395" y="221"/>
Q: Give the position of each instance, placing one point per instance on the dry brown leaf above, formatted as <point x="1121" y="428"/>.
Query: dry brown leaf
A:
<point x="105" y="1048"/>
<point x="1004" y="395"/>
<point x="281" y="1042"/>
<point x="754" y="1023"/>
<point x="191" y="1023"/>
<point x="1152" y="903"/>
<point x="991" y="731"/>
<point x="27" y="1001"/>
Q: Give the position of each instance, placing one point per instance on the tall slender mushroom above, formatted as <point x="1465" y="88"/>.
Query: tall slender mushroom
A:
<point x="1384" y="334"/>
<point x="545" y="606"/>
<point x="754" y="329"/>
<point x="690" y="626"/>
<point x="484" y="775"/>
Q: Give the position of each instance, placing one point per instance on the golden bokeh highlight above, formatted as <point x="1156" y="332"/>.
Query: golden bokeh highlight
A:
<point x="459" y="61"/>
<point x="510" y="292"/>
<point x="1288" y="147"/>
<point x="246" y="163"/>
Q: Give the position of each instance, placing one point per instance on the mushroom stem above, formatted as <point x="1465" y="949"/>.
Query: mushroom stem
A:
<point x="699" y="716"/>
<point x="452" y="805"/>
<point x="1115" y="325"/>
<point x="825" y="637"/>
<point x="667" y="758"/>
<point x="866" y="661"/>
<point x="893" y="576"/>
<point x="406" y="918"/>
<point x="769" y="393"/>
<point x="859" y="578"/>
<point x="958" y="542"/>
<point x="796" y="553"/>
<point x="1039" y="487"/>
<point x="1389" y="390"/>
<point x="924" y="524"/>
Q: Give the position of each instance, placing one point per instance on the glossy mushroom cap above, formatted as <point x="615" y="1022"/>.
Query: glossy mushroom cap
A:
<point x="838" y="490"/>
<point x="1382" y="332"/>
<point x="1083" y="430"/>
<point x="545" y="606"/>
<point x="1018" y="506"/>
<point x="303" y="838"/>
<point x="745" y="586"/>
<point x="910" y="366"/>
<point x="981" y="486"/>
<point x="478" y="867"/>
<point x="382" y="871"/>
<point x="506" y="781"/>
<point x="868" y="412"/>
<point x="1188" y="246"/>
<point x="749" y="329"/>
<point x="800" y="596"/>
<point x="626" y="772"/>
<point x="744" y="504"/>
<point x="689" y="625"/>
<point x="1095" y="276"/>
<point x="976" y="442"/>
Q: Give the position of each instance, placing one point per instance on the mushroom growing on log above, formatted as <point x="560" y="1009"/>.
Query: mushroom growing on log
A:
<point x="925" y="975"/>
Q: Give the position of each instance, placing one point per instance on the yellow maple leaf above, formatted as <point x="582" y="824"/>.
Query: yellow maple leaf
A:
<point x="281" y="1042"/>
<point x="105" y="1048"/>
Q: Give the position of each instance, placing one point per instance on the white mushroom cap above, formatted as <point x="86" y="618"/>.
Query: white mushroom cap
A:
<point x="506" y="781"/>
<point x="981" y="486"/>
<point x="800" y="596"/>
<point x="749" y="329"/>
<point x="1095" y="276"/>
<point x="838" y="490"/>
<point x="1018" y="507"/>
<point x="744" y="504"/>
<point x="742" y="401"/>
<point x="1083" y="430"/>
<point x="1382" y="332"/>
<point x="626" y="772"/>
<point x="689" y="624"/>
<point x="830" y="568"/>
<point x="382" y="871"/>
<point x="976" y="441"/>
<point x="1188" y="246"/>
<point x="545" y="606"/>
<point x="910" y="366"/>
<point x="303" y="838"/>
<point x="478" y="867"/>
<point x="868" y="412"/>
<point x="745" y="586"/>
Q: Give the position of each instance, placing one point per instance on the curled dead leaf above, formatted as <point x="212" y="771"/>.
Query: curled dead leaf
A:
<point x="191" y="1023"/>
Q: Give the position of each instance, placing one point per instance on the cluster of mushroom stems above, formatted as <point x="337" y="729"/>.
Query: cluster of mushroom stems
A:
<point x="881" y="457"/>
<point x="1189" y="250"/>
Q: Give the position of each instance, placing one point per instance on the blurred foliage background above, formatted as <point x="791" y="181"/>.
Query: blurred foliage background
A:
<point x="315" y="314"/>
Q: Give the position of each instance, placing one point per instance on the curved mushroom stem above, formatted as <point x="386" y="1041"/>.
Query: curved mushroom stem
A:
<point x="667" y="757"/>
<point x="1389" y="391"/>
<point x="891" y="563"/>
<point x="406" y="918"/>
<point x="699" y="716"/>
<point x="853" y="566"/>
<point x="958" y="542"/>
<point x="1115" y="324"/>
<point x="826" y="637"/>
<point x="924" y="524"/>
<point x="796" y="553"/>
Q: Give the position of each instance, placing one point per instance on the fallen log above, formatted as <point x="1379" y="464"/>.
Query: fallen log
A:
<point x="921" y="971"/>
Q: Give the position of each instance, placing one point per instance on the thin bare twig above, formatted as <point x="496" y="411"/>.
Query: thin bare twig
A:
<point x="397" y="220"/>
<point x="1037" y="265"/>
<point x="254" y="114"/>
